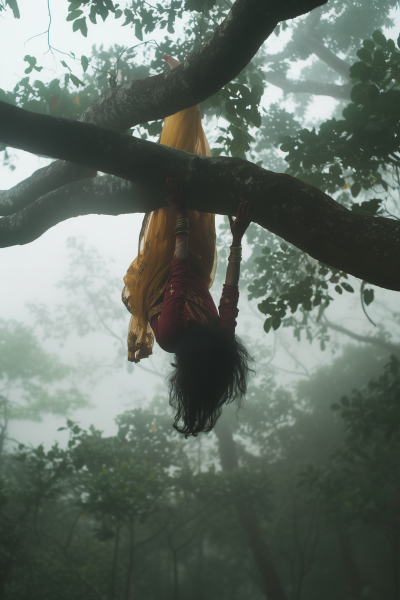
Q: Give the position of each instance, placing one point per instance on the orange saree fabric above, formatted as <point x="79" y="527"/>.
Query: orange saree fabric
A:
<point x="148" y="275"/>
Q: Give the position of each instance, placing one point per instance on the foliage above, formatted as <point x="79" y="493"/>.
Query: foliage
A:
<point x="361" y="481"/>
<point x="365" y="141"/>
<point x="92" y="504"/>
<point x="33" y="382"/>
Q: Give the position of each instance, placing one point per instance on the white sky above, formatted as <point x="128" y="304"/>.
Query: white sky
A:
<point x="30" y="272"/>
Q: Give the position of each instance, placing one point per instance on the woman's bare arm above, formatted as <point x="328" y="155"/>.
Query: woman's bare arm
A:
<point x="176" y="200"/>
<point x="238" y="229"/>
<point x="233" y="272"/>
<point x="181" y="245"/>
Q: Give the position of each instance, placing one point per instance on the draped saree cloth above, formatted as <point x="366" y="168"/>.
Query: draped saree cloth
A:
<point x="148" y="275"/>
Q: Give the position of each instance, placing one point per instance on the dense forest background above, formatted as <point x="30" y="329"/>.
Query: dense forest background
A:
<point x="297" y="496"/>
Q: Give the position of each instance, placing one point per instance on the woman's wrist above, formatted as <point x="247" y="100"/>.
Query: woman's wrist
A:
<point x="236" y="241"/>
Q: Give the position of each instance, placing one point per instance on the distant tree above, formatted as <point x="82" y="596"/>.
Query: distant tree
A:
<point x="360" y="483"/>
<point x="33" y="382"/>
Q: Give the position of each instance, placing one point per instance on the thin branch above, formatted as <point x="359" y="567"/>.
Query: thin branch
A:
<point x="366" y="339"/>
<point x="308" y="87"/>
<point x="329" y="58"/>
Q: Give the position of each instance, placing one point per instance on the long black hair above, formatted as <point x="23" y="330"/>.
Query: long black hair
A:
<point x="211" y="368"/>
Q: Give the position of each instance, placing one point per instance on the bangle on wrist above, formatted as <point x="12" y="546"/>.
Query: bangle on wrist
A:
<point x="235" y="255"/>
<point x="181" y="226"/>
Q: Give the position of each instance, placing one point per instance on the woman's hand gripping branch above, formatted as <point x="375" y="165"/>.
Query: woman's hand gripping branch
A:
<point x="238" y="229"/>
<point x="177" y="202"/>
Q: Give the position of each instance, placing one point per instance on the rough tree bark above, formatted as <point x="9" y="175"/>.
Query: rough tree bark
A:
<point x="366" y="247"/>
<point x="206" y="71"/>
<point x="271" y="581"/>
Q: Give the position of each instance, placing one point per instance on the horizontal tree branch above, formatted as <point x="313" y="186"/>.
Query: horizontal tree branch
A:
<point x="366" y="247"/>
<point x="308" y="87"/>
<point x="366" y="339"/>
<point x="43" y="180"/>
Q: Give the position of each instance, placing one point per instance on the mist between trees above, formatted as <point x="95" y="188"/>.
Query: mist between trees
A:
<point x="298" y="495"/>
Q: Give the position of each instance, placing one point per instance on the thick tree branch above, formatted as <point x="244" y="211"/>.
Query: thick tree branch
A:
<point x="219" y="60"/>
<point x="366" y="247"/>
<point x="308" y="87"/>
<point x="56" y="175"/>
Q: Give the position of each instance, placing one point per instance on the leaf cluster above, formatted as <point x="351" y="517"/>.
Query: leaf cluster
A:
<point x="361" y="145"/>
<point x="361" y="480"/>
<point x="290" y="281"/>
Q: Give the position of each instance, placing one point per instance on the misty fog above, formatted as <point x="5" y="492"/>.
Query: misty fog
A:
<point x="62" y="294"/>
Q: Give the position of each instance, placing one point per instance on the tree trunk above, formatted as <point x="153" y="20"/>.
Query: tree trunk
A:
<point x="353" y="585"/>
<point x="271" y="581"/>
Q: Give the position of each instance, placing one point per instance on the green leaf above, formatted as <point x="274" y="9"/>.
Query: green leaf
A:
<point x="364" y="55"/>
<point x="268" y="324"/>
<point x="80" y="24"/>
<point x="355" y="189"/>
<point x="14" y="7"/>
<point x="74" y="15"/>
<point x="138" y="31"/>
<point x="347" y="287"/>
<point x="368" y="296"/>
<point x="338" y="289"/>
<point x="76" y="81"/>
<point x="32" y="64"/>
<point x="84" y="62"/>
<point x="276" y="322"/>
<point x="357" y="69"/>
<point x="379" y="38"/>
<point x="369" y="45"/>
<point x="277" y="30"/>
<point x="64" y="64"/>
<point x="391" y="45"/>
<point x="92" y="15"/>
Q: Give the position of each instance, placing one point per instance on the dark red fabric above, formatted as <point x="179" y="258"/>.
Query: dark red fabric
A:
<point x="188" y="303"/>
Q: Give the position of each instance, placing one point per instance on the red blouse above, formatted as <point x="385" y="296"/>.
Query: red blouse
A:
<point x="187" y="301"/>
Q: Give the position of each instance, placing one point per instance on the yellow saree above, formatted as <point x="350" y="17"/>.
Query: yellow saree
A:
<point x="148" y="275"/>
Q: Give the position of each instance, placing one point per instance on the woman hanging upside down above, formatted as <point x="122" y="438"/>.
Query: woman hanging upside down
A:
<point x="171" y="300"/>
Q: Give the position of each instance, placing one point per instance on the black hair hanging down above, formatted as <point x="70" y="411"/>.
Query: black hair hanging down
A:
<point x="211" y="369"/>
